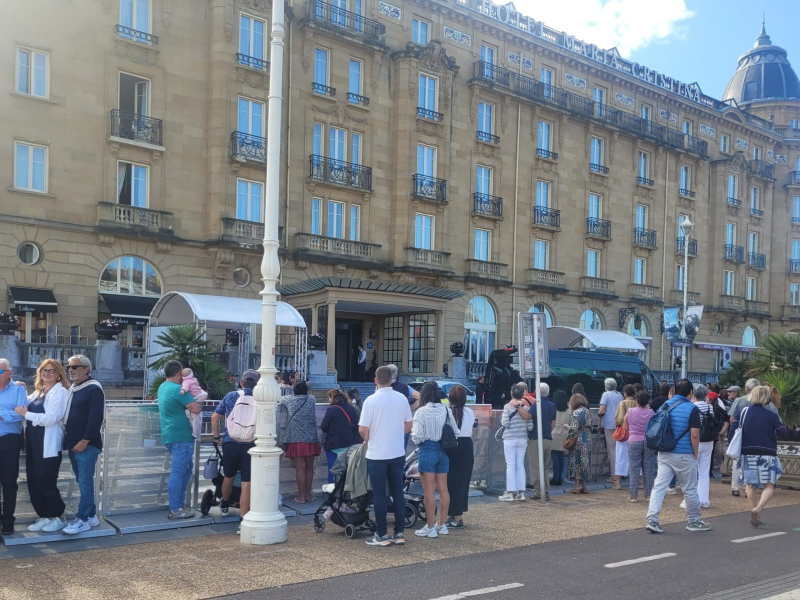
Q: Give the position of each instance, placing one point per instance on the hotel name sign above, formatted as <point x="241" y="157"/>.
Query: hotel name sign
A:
<point x="507" y="14"/>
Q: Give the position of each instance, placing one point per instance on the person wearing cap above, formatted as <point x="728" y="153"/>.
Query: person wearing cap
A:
<point x="235" y="454"/>
<point x="734" y="391"/>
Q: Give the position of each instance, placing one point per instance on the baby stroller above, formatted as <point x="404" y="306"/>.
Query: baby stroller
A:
<point x="341" y="507"/>
<point x="210" y="497"/>
<point x="415" y="506"/>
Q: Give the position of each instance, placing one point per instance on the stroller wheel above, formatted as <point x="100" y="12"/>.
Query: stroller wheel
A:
<point x="319" y="527"/>
<point x="412" y="515"/>
<point x="371" y="525"/>
<point x="350" y="531"/>
<point x="207" y="502"/>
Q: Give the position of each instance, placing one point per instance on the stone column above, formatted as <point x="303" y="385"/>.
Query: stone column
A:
<point x="438" y="356"/>
<point x="330" y="337"/>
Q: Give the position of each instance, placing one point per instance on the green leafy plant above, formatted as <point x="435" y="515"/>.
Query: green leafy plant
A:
<point x="735" y="374"/>
<point x="788" y="385"/>
<point x="187" y="345"/>
<point x="778" y="352"/>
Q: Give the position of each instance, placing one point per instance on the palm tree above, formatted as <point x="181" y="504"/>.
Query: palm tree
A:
<point x="735" y="374"/>
<point x="778" y="352"/>
<point x="788" y="385"/>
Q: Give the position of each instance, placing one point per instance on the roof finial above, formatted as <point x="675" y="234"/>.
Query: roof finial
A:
<point x="763" y="39"/>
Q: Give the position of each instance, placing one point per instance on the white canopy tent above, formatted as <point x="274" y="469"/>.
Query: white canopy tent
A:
<point x="567" y="337"/>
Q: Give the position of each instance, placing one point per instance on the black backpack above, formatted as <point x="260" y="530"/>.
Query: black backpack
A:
<point x="709" y="426"/>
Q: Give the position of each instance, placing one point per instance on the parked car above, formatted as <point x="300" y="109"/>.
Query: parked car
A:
<point x="445" y="386"/>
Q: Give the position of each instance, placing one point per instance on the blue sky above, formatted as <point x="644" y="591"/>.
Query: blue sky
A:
<point x="691" y="40"/>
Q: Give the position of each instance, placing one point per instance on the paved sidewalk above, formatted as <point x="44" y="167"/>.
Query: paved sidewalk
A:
<point x="218" y="565"/>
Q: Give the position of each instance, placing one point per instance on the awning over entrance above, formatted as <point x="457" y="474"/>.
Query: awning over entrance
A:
<point x="130" y="310"/>
<point x="32" y="300"/>
<point x="315" y="285"/>
<point x="179" y="308"/>
<point x="566" y="337"/>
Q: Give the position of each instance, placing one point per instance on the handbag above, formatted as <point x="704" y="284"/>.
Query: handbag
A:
<point x="620" y="434"/>
<point x="735" y="445"/>
<point x="498" y="435"/>
<point x="570" y="443"/>
<point x="448" y="441"/>
<point x="211" y="468"/>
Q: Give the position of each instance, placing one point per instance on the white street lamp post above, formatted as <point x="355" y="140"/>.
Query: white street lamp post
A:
<point x="265" y="524"/>
<point x="686" y="227"/>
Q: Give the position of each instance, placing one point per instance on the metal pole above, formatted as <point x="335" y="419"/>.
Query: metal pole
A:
<point x="685" y="296"/>
<point x="265" y="523"/>
<point x="539" y="442"/>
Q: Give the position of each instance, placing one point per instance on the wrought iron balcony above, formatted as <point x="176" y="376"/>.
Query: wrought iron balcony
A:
<point x="680" y="247"/>
<point x="598" y="228"/>
<point x="644" y="237"/>
<point x="310" y="243"/>
<point x="331" y="170"/>
<point x="248" y="147"/>
<point x="139" y="36"/>
<point x="349" y="21"/>
<point x="734" y="202"/>
<point x="696" y="145"/>
<point x="598" y="168"/>
<point x="433" y="259"/>
<point x="794" y="266"/>
<point x="483" y="269"/>
<point x="757" y="261"/>
<point x="357" y="99"/>
<point x="541" y="279"/>
<point x="252" y="62"/>
<point x="796" y="220"/>
<point x="542" y="153"/>
<point x="137" y="218"/>
<point x="546" y="217"/>
<point x="645" y="293"/>
<point x="757" y="308"/>
<point x="594" y="286"/>
<point x="243" y="232"/>
<point x="761" y="168"/>
<point x="794" y="178"/>
<point x="325" y="90"/>
<point x="429" y="114"/>
<point x="485" y="136"/>
<point x="734" y="253"/>
<point x="645" y="181"/>
<point x="791" y="312"/>
<point x="492" y="73"/>
<point x="756" y="212"/>
<point x="484" y="204"/>
<point x="686" y="193"/>
<point x="130" y="126"/>
<point x="428" y="188"/>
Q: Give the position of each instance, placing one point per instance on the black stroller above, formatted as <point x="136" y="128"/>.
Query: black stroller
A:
<point x="211" y="497"/>
<point x="415" y="506"/>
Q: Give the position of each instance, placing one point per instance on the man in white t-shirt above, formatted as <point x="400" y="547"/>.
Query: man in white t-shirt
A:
<point x="385" y="419"/>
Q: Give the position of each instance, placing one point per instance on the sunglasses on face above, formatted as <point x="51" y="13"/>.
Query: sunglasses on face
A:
<point x="48" y="371"/>
<point x="71" y="367"/>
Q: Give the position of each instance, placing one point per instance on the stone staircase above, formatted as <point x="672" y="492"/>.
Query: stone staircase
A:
<point x="364" y="388"/>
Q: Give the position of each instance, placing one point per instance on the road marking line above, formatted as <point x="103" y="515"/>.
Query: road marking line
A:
<point x="491" y="590"/>
<point x="625" y="563"/>
<point x="758" y="537"/>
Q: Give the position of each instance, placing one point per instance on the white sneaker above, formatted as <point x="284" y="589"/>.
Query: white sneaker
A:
<point x="442" y="529"/>
<point x="683" y="504"/>
<point x="94" y="521"/>
<point x="705" y="505"/>
<point x="77" y="526"/>
<point x="507" y="497"/>
<point x="429" y="532"/>
<point x="39" y="525"/>
<point x="521" y="497"/>
<point x="54" y="525"/>
<point x="671" y="491"/>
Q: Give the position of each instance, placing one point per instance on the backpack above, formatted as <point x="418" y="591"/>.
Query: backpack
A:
<point x="709" y="426"/>
<point x="241" y="421"/>
<point x="659" y="434"/>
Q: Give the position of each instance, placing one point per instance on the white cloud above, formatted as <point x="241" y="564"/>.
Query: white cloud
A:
<point x="626" y="24"/>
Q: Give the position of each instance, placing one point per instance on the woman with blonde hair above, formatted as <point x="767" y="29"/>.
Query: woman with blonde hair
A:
<point x="44" y="437"/>
<point x="580" y="452"/>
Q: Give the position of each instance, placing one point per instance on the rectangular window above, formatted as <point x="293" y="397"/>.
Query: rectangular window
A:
<point x="541" y="254"/>
<point x="335" y="219"/>
<point x="355" y="148"/>
<point x="644" y="165"/>
<point x="755" y="198"/>
<point x="419" y="31"/>
<point x="733" y="186"/>
<point x="752" y="242"/>
<point x="730" y="233"/>
<point x="596" y="155"/>
<point x="796" y="209"/>
<point x="751" y="288"/>
<point x="248" y="200"/>
<point x="252" y="41"/>
<point x="729" y="283"/>
<point x="393" y="341"/>
<point x="355" y="222"/>
<point x="483" y="180"/>
<point x="687" y="127"/>
<point x="600" y="100"/>
<point x="427" y="92"/>
<point x="595" y="206"/>
<point x="426" y="160"/>
<point x="487" y="54"/>
<point x="32" y="72"/>
<point x="724" y="143"/>
<point x="794" y="294"/>
<point x="354" y="86"/>
<point x="485" y="117"/>
<point x="592" y="259"/>
<point x="135" y="14"/>
<point x="337" y="144"/>
<point x="321" y="66"/>
<point x="423" y="232"/>
<point x="641" y="216"/>
<point x="134" y="98"/>
<point x="686" y="177"/>
<point x="30" y="167"/>
<point x="251" y="117"/>
<point x="546" y="77"/>
<point x="757" y="152"/>
<point x="319" y="128"/>
<point x="640" y="271"/>
<point x="794" y="124"/>
<point x="680" y="274"/>
<point x="316" y="216"/>
<point x="542" y="193"/>
<point x="483" y="241"/>
<point x="421" y="343"/>
<point x="132" y="187"/>
<point x="545" y="135"/>
<point x="795" y="249"/>
<point x="646" y="112"/>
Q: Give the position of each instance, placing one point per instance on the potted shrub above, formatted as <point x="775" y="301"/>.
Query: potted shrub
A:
<point x="316" y="341"/>
<point x="457" y="348"/>
<point x="107" y="329"/>
<point x="8" y="323"/>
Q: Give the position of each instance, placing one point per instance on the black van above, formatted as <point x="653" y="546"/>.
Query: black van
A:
<point x="589" y="367"/>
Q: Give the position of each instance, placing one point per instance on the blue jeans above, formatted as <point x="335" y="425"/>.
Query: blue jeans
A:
<point x="83" y="465"/>
<point x="432" y="459"/>
<point x="380" y="473"/>
<point x="559" y="464"/>
<point x="181" y="473"/>
<point x="331" y="456"/>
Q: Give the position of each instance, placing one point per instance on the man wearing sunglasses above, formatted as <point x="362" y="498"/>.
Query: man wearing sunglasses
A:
<point x="11" y="396"/>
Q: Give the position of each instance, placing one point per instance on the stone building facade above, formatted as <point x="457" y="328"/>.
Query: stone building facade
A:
<point x="446" y="165"/>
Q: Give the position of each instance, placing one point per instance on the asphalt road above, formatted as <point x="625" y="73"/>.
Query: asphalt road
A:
<point x="693" y="565"/>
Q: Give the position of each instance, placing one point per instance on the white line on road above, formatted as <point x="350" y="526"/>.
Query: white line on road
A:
<point x="758" y="537"/>
<point x="491" y="590"/>
<point x="634" y="561"/>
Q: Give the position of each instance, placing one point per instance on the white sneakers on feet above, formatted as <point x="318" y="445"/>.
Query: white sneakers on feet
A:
<point x="507" y="497"/>
<point x="39" y="524"/>
<point x="521" y="497"/>
<point x="429" y="532"/>
<point x="56" y="524"/>
<point x="77" y="526"/>
<point x="441" y="529"/>
<point x="702" y="504"/>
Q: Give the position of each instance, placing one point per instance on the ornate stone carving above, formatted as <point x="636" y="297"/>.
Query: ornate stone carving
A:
<point x="163" y="247"/>
<point x="113" y="147"/>
<point x="589" y="132"/>
<point x="487" y="150"/>
<point x="223" y="261"/>
<point x="412" y="86"/>
<point x="340" y="269"/>
<point x="506" y="109"/>
<point x="376" y="69"/>
<point x="441" y="282"/>
<point x="561" y="131"/>
<point x="405" y="278"/>
<point x="166" y="14"/>
<point x="308" y="49"/>
<point x="106" y="4"/>
<point x="251" y="79"/>
<point x="637" y="146"/>
<point x="353" y="118"/>
<point x="599" y="180"/>
<point x="228" y="20"/>
<point x="611" y="146"/>
<point x="137" y="54"/>
<point x="301" y="265"/>
<point x="373" y="273"/>
<point x="685" y="202"/>
<point x="433" y="57"/>
<point x="469" y="285"/>
<point x="105" y="240"/>
<point x="644" y="192"/>
<point x="429" y="128"/>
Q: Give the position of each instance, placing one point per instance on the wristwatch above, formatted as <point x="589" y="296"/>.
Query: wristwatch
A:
<point x="216" y="437"/>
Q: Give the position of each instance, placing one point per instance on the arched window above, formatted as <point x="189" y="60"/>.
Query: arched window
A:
<point x="480" y="329"/>
<point x="591" y="319"/>
<point x="749" y="337"/>
<point x="638" y="328"/>
<point x="548" y="314"/>
<point x="130" y="275"/>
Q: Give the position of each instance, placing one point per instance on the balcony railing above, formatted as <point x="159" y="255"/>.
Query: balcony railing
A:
<point x="732" y="303"/>
<point x="794" y="266"/>
<point x="484" y="136"/>
<point x="734" y="253"/>
<point x="331" y="170"/>
<point x="696" y="145"/>
<point x="790" y="133"/>
<point x="594" y="286"/>
<point x="239" y="230"/>
<point x="139" y="36"/>
<point x="686" y="193"/>
<point x="756" y="260"/>
<point x="756" y="212"/>
<point x="428" y="188"/>
<point x="542" y="153"/>
<point x="598" y="227"/>
<point x="646" y="293"/>
<point x="429" y="114"/>
<point x="545" y="280"/>
<point x="252" y="62"/>
<point x="548" y="217"/>
<point x="680" y="247"/>
<point x="321" y="88"/>
<point x="328" y="245"/>
<point x="428" y="258"/>
<point x="762" y="168"/>
<point x="138" y="128"/>
<point x="734" y="202"/>
<point x="791" y="312"/>
<point x="645" y="181"/>
<point x="349" y="21"/>
<point x="483" y="269"/>
<point x="794" y="178"/>
<point x="484" y="204"/>
<point x="109" y="213"/>
<point x="644" y="237"/>
<point x="692" y="298"/>
<point x="757" y="308"/>
<point x="357" y="99"/>
<point x="248" y="147"/>
<point x="493" y="73"/>
<point x="595" y="168"/>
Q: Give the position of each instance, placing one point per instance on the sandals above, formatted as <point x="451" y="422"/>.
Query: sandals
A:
<point x="584" y="491"/>
<point x="755" y="518"/>
<point x="574" y="491"/>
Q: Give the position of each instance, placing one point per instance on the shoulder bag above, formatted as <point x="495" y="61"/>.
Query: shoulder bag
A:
<point x="735" y="445"/>
<point x="498" y="435"/>
<point x="448" y="441"/>
<point x="572" y="440"/>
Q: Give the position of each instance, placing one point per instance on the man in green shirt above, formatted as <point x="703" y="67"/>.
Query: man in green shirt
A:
<point x="176" y="435"/>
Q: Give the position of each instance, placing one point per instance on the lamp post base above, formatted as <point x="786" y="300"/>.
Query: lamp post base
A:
<point x="265" y="529"/>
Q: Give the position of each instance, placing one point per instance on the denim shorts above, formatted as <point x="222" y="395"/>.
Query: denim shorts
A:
<point x="432" y="459"/>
